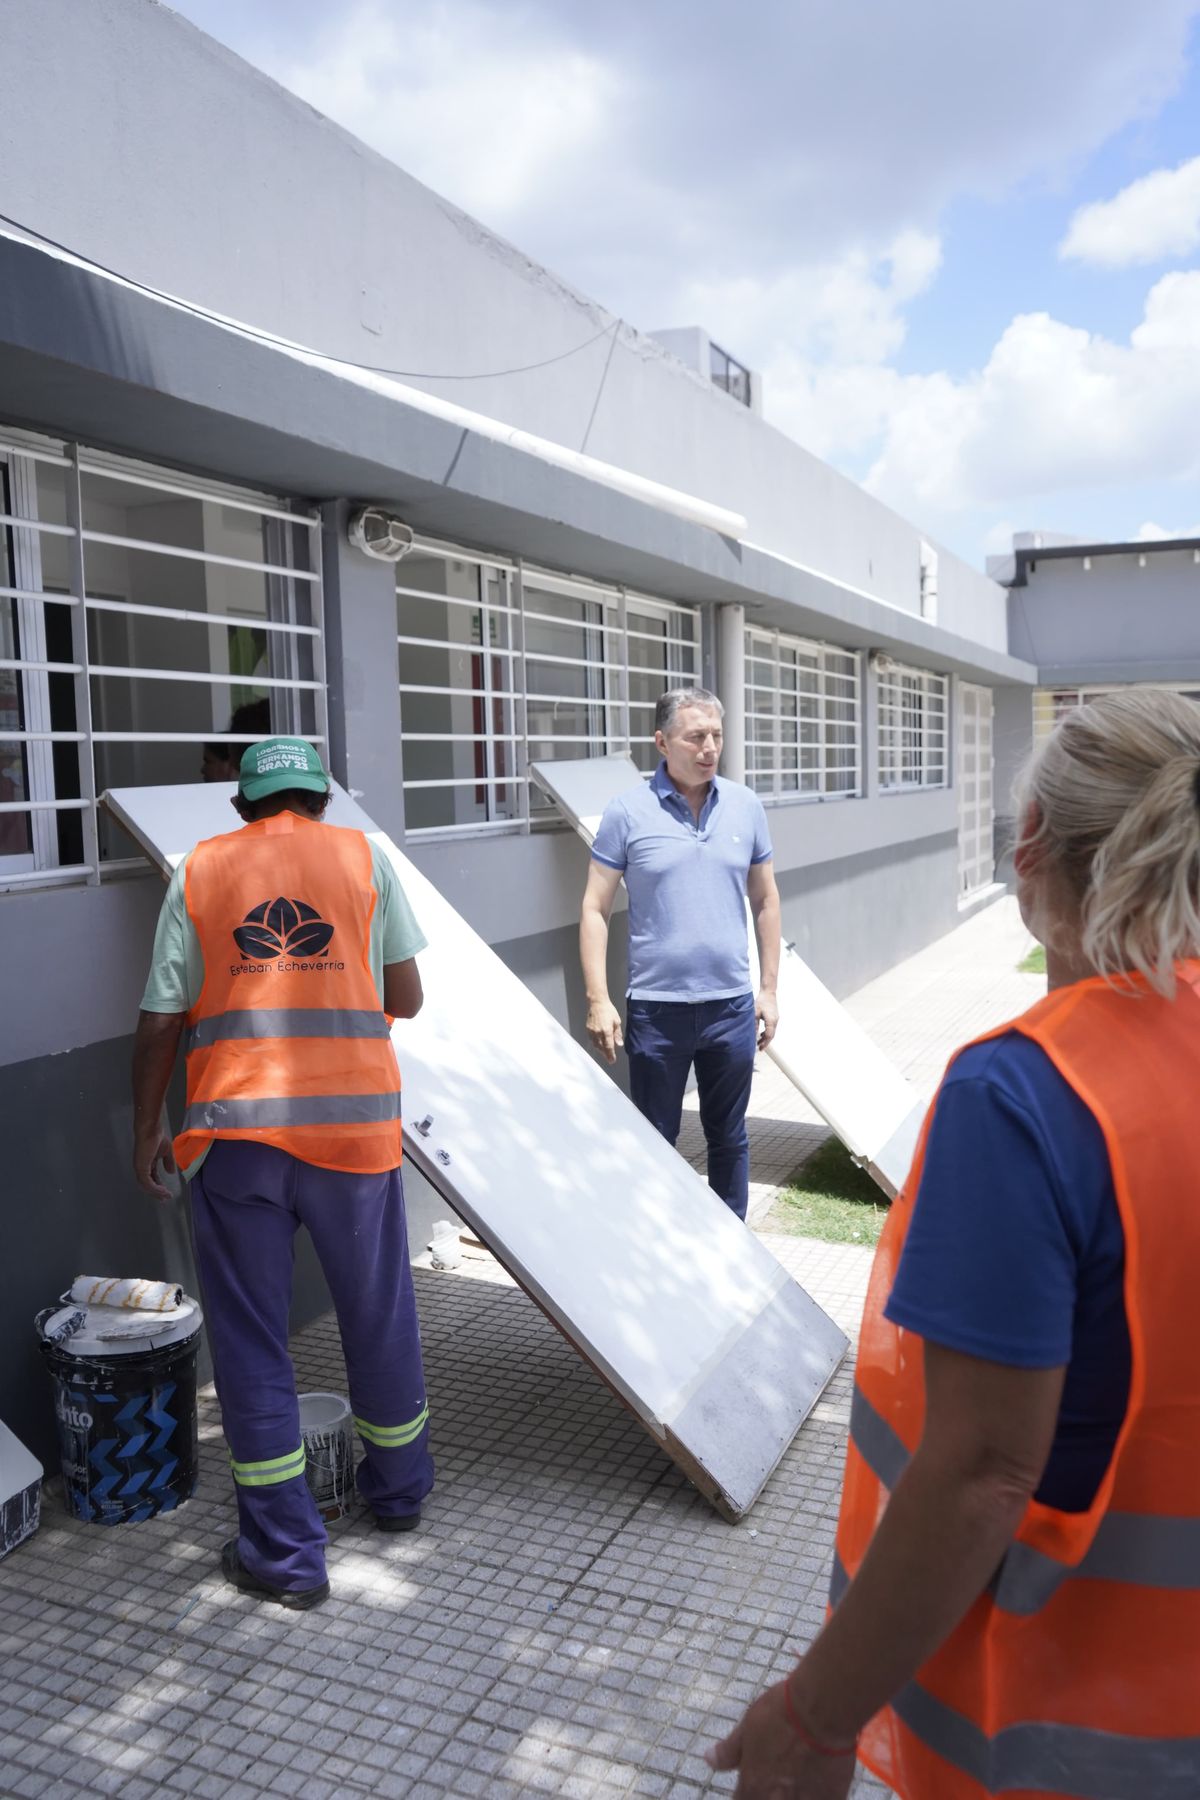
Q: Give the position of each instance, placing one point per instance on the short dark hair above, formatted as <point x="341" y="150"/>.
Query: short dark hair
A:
<point x="305" y="800"/>
<point x="675" y="698"/>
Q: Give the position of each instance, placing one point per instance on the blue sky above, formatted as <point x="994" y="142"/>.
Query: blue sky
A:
<point x="878" y="206"/>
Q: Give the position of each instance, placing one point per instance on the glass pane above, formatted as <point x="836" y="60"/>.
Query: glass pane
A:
<point x="16" y="838"/>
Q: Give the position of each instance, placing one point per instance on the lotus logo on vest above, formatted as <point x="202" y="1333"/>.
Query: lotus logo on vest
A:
<point x="288" y="934"/>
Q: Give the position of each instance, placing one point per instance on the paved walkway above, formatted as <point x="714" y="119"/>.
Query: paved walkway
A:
<point x="571" y="1618"/>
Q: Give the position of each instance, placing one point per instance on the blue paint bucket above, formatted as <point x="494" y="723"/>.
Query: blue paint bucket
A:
<point x="125" y="1402"/>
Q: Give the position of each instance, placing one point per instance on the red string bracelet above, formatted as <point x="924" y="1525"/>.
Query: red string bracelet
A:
<point x="805" y="1735"/>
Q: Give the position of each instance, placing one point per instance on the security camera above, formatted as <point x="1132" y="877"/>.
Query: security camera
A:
<point x="376" y="533"/>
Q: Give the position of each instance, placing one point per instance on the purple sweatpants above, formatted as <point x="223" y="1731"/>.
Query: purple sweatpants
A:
<point x="247" y="1202"/>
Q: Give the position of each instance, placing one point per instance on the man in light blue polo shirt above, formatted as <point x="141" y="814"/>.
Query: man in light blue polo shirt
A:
<point x="691" y="848"/>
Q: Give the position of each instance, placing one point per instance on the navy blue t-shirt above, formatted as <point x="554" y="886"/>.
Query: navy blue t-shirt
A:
<point x="1016" y="1251"/>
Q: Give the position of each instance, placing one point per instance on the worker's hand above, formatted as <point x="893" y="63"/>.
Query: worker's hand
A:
<point x="604" y="1029"/>
<point x="773" y="1763"/>
<point x="149" y="1151"/>
<point x="766" y="1012"/>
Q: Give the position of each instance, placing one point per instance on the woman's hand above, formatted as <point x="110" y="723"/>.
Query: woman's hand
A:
<point x="773" y="1762"/>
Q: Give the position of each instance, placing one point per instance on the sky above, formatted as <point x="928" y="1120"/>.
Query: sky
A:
<point x="961" y="242"/>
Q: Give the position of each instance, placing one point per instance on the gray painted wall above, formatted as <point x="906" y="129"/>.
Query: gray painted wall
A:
<point x="1113" y="622"/>
<point x="319" y="267"/>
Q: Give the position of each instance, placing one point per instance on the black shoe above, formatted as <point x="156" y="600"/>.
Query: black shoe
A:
<point x="298" y="1599"/>
<point x="398" y="1521"/>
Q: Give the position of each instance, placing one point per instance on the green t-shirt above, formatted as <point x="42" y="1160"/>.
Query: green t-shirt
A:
<point x="177" y="965"/>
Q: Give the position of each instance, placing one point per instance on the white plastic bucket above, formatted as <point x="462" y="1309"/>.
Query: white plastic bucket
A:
<point x="327" y="1430"/>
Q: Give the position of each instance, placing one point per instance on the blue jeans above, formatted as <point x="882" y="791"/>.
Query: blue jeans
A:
<point x="663" y="1040"/>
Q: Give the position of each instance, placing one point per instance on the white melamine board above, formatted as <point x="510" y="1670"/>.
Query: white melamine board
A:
<point x="870" y="1105"/>
<point x="683" y="1311"/>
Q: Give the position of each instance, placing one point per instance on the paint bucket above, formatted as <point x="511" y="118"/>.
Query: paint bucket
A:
<point x="125" y="1401"/>
<point x="327" y="1430"/>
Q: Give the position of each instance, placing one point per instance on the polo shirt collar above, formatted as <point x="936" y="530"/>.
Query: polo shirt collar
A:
<point x="662" y="785"/>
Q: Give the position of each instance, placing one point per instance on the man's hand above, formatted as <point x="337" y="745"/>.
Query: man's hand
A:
<point x="773" y="1762"/>
<point x="604" y="1029"/>
<point x="766" y="1011"/>
<point x="148" y="1152"/>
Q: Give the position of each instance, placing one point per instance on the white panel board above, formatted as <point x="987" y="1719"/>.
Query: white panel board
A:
<point x="868" y="1103"/>
<point x="683" y="1311"/>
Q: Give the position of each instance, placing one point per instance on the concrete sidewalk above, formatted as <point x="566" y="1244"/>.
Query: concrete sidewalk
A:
<point x="570" y="1619"/>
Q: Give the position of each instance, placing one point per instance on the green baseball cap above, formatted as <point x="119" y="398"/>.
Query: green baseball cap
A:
<point x="278" y="763"/>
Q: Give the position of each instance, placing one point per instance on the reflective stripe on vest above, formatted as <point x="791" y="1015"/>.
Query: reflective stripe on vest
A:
<point x="269" y="1113"/>
<point x="1053" y="1758"/>
<point x="1073" y="1673"/>
<point x="287" y="1022"/>
<point x="288" y="1044"/>
<point x="1146" y="1548"/>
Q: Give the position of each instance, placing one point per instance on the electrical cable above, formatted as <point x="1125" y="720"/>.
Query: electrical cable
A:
<point x="279" y="343"/>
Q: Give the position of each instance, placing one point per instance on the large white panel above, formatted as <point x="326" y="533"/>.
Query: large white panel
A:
<point x="869" y="1104"/>
<point x="673" y="1301"/>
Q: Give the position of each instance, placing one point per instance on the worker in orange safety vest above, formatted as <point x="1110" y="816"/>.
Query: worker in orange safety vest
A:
<point x="284" y="950"/>
<point x="1016" y="1586"/>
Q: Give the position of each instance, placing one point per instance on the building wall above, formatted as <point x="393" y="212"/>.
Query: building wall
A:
<point x="435" y="290"/>
<point x="1114" y="622"/>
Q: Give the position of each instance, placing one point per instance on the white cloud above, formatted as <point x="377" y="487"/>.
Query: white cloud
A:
<point x="1055" y="409"/>
<point x="1153" y="218"/>
<point x="1150" y="533"/>
<point x="461" y="96"/>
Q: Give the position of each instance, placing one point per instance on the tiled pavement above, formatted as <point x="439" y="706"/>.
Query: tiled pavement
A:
<point x="571" y="1618"/>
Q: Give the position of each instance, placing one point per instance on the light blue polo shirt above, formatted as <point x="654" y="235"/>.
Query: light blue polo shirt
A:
<point x="687" y="885"/>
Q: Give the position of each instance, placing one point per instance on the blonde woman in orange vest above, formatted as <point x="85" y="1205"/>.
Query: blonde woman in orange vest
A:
<point x="285" y="950"/>
<point x="1016" y="1586"/>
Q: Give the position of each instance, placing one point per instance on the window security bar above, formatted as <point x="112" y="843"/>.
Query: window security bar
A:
<point x="513" y="619"/>
<point x="201" y="556"/>
<point x="293" y="685"/>
<point x="173" y="490"/>
<point x="279" y="650"/>
<point x="137" y="609"/>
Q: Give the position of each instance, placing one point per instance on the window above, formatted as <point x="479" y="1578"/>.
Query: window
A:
<point x="500" y="667"/>
<point x="912" y="728"/>
<point x="1052" y="704"/>
<point x="973" y="779"/>
<point x="733" y="378"/>
<point x="139" y="611"/>
<point x="802" y="718"/>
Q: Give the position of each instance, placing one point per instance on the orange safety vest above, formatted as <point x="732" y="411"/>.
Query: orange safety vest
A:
<point x="1078" y="1671"/>
<point x="288" y="1043"/>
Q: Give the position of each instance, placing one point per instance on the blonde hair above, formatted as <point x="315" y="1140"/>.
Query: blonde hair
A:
<point x="1117" y="792"/>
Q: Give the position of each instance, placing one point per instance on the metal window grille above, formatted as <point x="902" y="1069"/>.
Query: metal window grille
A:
<point x="974" y="780"/>
<point x="803" y="718"/>
<point x="139" y="610"/>
<point x="501" y="664"/>
<point x="913" y="712"/>
<point x="1052" y="704"/>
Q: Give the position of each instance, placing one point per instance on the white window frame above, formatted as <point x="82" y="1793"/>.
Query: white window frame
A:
<point x="913" y="741"/>
<point x="974" y="777"/>
<point x="21" y="451"/>
<point x="1051" y="703"/>
<point x="616" y="721"/>
<point x="769" y="781"/>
